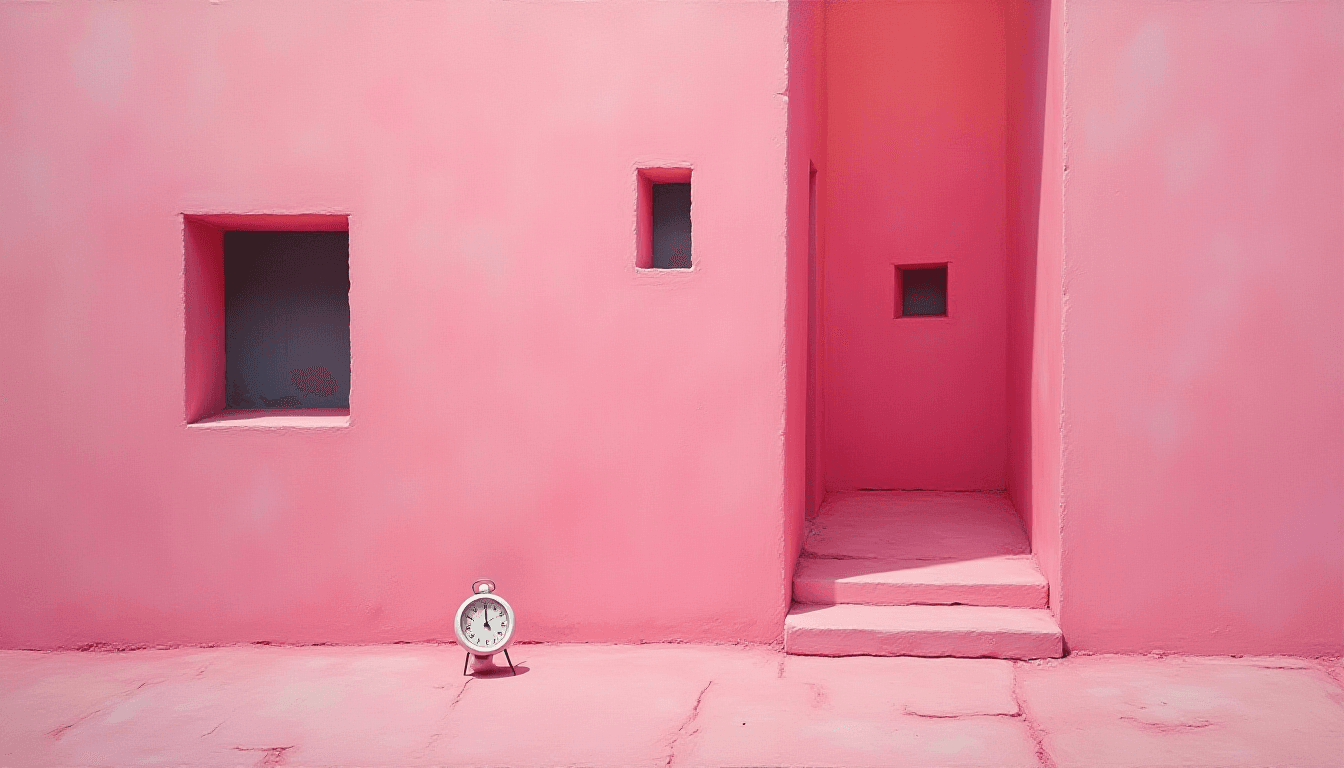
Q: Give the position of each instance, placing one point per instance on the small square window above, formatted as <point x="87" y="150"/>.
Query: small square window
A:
<point x="268" y="320"/>
<point x="664" y="208"/>
<point x="921" y="291"/>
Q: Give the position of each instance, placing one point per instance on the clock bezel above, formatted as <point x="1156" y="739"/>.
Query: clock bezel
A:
<point x="472" y="647"/>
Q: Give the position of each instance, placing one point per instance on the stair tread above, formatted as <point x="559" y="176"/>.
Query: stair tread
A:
<point x="917" y="525"/>
<point x="922" y="618"/>
<point x="964" y="631"/>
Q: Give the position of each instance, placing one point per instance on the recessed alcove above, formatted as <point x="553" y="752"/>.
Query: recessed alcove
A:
<point x="921" y="290"/>
<point x="267" y="320"/>
<point x="664" y="211"/>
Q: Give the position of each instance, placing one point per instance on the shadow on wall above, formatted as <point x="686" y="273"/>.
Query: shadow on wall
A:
<point x="1028" y="41"/>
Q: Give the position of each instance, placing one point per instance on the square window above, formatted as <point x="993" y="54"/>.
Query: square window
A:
<point x="921" y="291"/>
<point x="268" y="320"/>
<point x="664" y="218"/>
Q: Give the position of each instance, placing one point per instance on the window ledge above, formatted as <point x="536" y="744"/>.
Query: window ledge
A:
<point x="276" y="418"/>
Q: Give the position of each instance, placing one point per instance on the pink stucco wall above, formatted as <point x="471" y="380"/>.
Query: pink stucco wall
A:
<point x="1170" y="425"/>
<point x="805" y="163"/>
<point x="1141" y="203"/>
<point x="525" y="405"/>
<point x="1203" y="331"/>
<point x="1034" y="228"/>
<point x="915" y="135"/>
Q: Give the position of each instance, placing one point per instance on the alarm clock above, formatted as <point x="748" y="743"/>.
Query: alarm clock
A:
<point x="484" y="627"/>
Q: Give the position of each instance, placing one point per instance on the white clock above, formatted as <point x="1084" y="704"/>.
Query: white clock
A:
<point x="484" y="626"/>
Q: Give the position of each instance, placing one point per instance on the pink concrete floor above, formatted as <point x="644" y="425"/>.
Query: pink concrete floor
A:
<point x="408" y="705"/>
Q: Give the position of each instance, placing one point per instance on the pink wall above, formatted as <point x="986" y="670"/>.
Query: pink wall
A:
<point x="916" y="174"/>
<point x="525" y="405"/>
<point x="1035" y="177"/>
<point x="807" y="177"/>
<point x="1203" y="355"/>
<point x="806" y="151"/>
<point x="1146" y="342"/>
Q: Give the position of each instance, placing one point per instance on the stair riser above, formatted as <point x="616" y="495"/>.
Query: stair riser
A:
<point x="819" y="592"/>
<point x="996" y="645"/>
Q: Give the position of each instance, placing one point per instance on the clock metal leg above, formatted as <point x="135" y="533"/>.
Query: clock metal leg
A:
<point x="466" y="662"/>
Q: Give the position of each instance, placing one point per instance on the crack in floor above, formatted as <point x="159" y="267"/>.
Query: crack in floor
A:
<point x="272" y="757"/>
<point x="1335" y="671"/>
<point x="59" y="731"/>
<point x="460" y="692"/>
<point x="681" y="730"/>
<point x="1034" y="729"/>
<point x="1148" y="725"/>
<point x="912" y="713"/>
<point x="435" y="737"/>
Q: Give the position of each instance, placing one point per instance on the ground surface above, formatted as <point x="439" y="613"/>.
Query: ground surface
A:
<point x="409" y="705"/>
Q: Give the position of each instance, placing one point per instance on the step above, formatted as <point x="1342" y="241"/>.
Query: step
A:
<point x="1011" y="581"/>
<point x="965" y="631"/>
<point x="916" y="525"/>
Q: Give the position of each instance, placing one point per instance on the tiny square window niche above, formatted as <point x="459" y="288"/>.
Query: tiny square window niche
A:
<point x="664" y="209"/>
<point x="921" y="290"/>
<point x="268" y="320"/>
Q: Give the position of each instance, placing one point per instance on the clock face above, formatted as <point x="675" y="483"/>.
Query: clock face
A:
<point x="485" y="623"/>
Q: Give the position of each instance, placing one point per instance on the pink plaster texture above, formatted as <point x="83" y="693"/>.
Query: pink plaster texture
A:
<point x="1034" y="158"/>
<point x="658" y="705"/>
<point x="1203" y="337"/>
<point x="1138" y="204"/>
<point x="525" y="403"/>
<point x="915" y="175"/>
<point x="1156" y="289"/>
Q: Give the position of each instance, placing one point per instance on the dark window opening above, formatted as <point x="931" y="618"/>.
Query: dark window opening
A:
<point x="671" y="226"/>
<point x="923" y="291"/>
<point x="286" y="319"/>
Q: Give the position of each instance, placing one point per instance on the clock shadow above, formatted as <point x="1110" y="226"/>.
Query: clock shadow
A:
<point x="500" y="672"/>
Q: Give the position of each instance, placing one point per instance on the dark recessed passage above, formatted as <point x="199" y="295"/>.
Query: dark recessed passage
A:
<point x="287" y="319"/>
<point x="671" y="205"/>
<point x="923" y="291"/>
